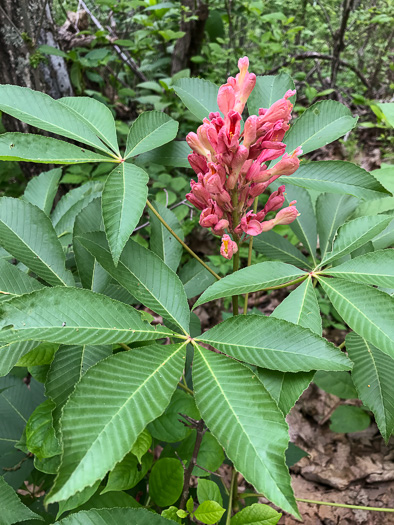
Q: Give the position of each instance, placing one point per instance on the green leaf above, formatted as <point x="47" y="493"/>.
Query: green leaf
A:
<point x="97" y="116"/>
<point x="12" y="509"/>
<point x="10" y="353"/>
<point x="114" y="516"/>
<point x="128" y="473"/>
<point x="27" y="233"/>
<point x="77" y="500"/>
<point x="36" y="148"/>
<point x="169" y="427"/>
<point x="269" y="89"/>
<point x="347" y="418"/>
<point x="144" y="387"/>
<point x="319" y="125"/>
<point x="123" y="202"/>
<point x="209" y="512"/>
<point x="208" y="490"/>
<point x="67" y="368"/>
<point x="274" y="344"/>
<point x="294" y="454"/>
<point x="51" y="315"/>
<point x="173" y="155"/>
<point x="384" y="239"/>
<point x="356" y="233"/>
<point x="373" y="377"/>
<point x="276" y="247"/>
<point x="369" y="312"/>
<point x="92" y="274"/>
<point x="336" y="176"/>
<point x="161" y="241"/>
<point x="41" y="190"/>
<point x="256" y="514"/>
<point x="198" y="95"/>
<point x="41" y="111"/>
<point x="376" y="268"/>
<point x="246" y="422"/>
<point x="331" y="212"/>
<point x="110" y="500"/>
<point x="172" y="514"/>
<point x="142" y="445"/>
<point x="301" y="307"/>
<point x="166" y="481"/>
<point x="15" y="282"/>
<point x="195" y="278"/>
<point x="251" y="279"/>
<point x="339" y="384"/>
<point x="43" y="354"/>
<point x="304" y="225"/>
<point x="149" y="131"/>
<point x="40" y="434"/>
<point x="145" y="276"/>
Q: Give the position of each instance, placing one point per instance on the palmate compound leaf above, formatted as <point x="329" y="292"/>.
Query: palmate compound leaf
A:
<point x="247" y="423"/>
<point x="355" y="234"/>
<point x="337" y="176"/>
<point x="376" y="268"/>
<point x="251" y="279"/>
<point x="123" y="202"/>
<point x="115" y="516"/>
<point x="145" y="276"/>
<point x="149" y="131"/>
<point x="36" y="148"/>
<point x="119" y="396"/>
<point x="27" y="233"/>
<point x="300" y="307"/>
<point x="73" y="316"/>
<point x="43" y="112"/>
<point x="274" y="344"/>
<point x="368" y="311"/>
<point x="372" y="375"/>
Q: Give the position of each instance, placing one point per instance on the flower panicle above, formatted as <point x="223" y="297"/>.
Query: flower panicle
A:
<point x="231" y="164"/>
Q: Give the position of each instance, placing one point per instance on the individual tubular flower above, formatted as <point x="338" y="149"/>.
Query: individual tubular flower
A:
<point x="231" y="164"/>
<point x="228" y="247"/>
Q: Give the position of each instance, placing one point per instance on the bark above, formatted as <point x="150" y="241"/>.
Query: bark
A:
<point x="24" y="26"/>
<point x="190" y="44"/>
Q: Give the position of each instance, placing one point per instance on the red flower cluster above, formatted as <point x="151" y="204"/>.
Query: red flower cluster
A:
<point x="230" y="164"/>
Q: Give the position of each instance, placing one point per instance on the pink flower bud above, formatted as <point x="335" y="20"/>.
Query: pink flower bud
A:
<point x="198" y="163"/>
<point x="240" y="156"/>
<point x="281" y="109"/>
<point x="250" y="225"/>
<point x="195" y="144"/>
<point x="286" y="215"/>
<point x="200" y="192"/>
<point x="196" y="202"/>
<point x="226" y="99"/>
<point x="288" y="164"/>
<point x="257" y="189"/>
<point x="250" y="130"/>
<point x="245" y="91"/>
<point x="275" y="200"/>
<point x="228" y="247"/>
<point x="220" y="227"/>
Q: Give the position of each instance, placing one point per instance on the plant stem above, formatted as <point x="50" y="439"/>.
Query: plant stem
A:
<point x="231" y="495"/>
<point x="125" y="347"/>
<point x="189" y="250"/>
<point x="342" y="345"/>
<point x="186" y="388"/>
<point x="235" y="268"/>
<point x="328" y="503"/>
<point x="188" y="472"/>
<point x="255" y="204"/>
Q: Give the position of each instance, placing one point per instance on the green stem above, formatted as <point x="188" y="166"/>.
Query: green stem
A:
<point x="328" y="503"/>
<point x="230" y="496"/>
<point x="189" y="250"/>
<point x="186" y="388"/>
<point x="255" y="204"/>
<point x="342" y="345"/>
<point x="235" y="268"/>
<point x="125" y="347"/>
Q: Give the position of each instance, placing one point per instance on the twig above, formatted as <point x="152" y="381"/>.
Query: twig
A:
<point x="188" y="473"/>
<point x="234" y="476"/>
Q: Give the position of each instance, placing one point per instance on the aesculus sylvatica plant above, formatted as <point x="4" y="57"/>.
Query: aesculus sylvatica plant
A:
<point x="119" y="410"/>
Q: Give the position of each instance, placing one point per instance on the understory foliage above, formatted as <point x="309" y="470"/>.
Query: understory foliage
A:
<point x="109" y="383"/>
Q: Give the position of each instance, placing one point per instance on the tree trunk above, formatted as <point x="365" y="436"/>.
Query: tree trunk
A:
<point x="24" y="26"/>
<point x="190" y="44"/>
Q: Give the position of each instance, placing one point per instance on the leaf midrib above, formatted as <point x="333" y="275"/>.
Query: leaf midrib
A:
<point x="145" y="138"/>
